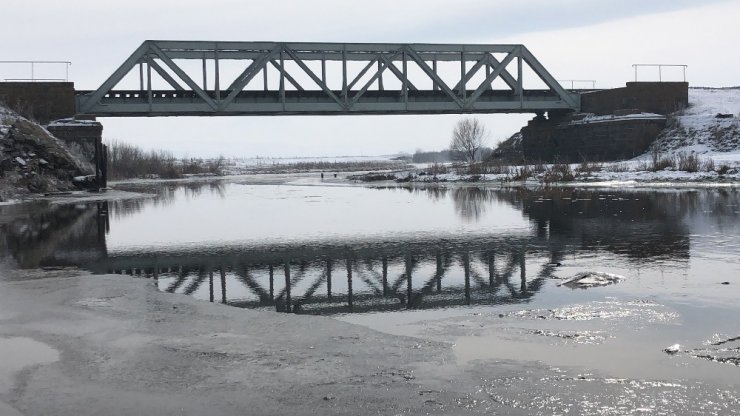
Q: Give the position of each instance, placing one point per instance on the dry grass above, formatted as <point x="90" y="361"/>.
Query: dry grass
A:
<point x="126" y="161"/>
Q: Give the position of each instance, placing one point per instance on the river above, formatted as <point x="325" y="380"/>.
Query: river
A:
<point x="479" y="268"/>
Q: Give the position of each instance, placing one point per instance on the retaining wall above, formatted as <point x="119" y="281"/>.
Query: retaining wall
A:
<point x="649" y="97"/>
<point x="39" y="101"/>
<point x="575" y="141"/>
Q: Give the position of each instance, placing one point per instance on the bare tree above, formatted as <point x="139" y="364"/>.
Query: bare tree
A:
<point x="468" y="137"/>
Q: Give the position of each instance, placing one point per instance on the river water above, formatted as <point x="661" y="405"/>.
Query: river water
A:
<point x="476" y="267"/>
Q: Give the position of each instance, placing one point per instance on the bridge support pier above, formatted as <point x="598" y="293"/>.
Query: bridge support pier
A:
<point x="83" y="135"/>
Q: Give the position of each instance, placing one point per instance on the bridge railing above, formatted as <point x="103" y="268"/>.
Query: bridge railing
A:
<point x="32" y="68"/>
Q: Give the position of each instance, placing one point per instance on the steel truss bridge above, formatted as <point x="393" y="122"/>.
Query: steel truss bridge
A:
<point x="189" y="78"/>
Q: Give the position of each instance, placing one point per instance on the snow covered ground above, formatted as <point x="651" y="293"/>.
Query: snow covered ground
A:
<point x="709" y="127"/>
<point x="709" y="130"/>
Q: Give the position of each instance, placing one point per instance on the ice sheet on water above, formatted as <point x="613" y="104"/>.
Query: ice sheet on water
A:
<point x="591" y="279"/>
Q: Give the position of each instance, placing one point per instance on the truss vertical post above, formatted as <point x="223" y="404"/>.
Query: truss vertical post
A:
<point x="463" y="87"/>
<point x="149" y="85"/>
<point x="520" y="80"/>
<point x="344" y="74"/>
<point x="141" y="76"/>
<point x="264" y="77"/>
<point x="405" y="79"/>
<point x="282" y="79"/>
<point x="488" y="73"/>
<point x="323" y="70"/>
<point x="380" y="77"/>
<point x="217" y="71"/>
<point x="435" y="87"/>
<point x="205" y="73"/>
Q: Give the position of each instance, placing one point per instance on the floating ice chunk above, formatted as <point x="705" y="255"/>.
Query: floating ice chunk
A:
<point x="673" y="349"/>
<point x="591" y="279"/>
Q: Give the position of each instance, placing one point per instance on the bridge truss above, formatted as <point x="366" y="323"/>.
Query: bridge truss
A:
<point x="275" y="78"/>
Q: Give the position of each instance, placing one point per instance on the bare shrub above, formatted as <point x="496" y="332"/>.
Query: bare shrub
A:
<point x="558" y="172"/>
<point x="687" y="162"/>
<point x="659" y="161"/>
<point x="539" y="167"/>
<point x="523" y="173"/>
<point x="588" y="167"/>
<point x="618" y="167"/>
<point x="128" y="161"/>
<point x="707" y="165"/>
<point x="723" y="169"/>
<point x="496" y="168"/>
<point x="437" y="169"/>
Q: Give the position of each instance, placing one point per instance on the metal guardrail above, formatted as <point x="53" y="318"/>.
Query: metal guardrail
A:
<point x="573" y="82"/>
<point x="660" y="69"/>
<point x="32" y="68"/>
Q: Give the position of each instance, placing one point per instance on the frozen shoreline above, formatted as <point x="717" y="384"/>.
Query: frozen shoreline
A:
<point x="77" y="344"/>
<point x="115" y="345"/>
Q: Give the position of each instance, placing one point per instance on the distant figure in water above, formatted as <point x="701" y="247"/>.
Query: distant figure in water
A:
<point x="322" y="175"/>
<point x="335" y="175"/>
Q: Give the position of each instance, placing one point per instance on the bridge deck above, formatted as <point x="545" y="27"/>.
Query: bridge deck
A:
<point x="171" y="103"/>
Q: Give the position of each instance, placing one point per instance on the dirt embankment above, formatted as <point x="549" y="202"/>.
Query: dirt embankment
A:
<point x="32" y="160"/>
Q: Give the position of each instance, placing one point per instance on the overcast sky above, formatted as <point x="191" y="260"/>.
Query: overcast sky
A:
<point x="574" y="39"/>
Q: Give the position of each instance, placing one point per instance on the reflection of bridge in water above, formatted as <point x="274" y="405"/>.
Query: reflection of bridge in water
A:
<point x="373" y="275"/>
<point x="368" y="276"/>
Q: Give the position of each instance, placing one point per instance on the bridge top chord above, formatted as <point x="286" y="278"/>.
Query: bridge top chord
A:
<point x="283" y="78"/>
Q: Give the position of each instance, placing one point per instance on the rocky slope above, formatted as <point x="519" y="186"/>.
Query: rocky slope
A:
<point x="32" y="160"/>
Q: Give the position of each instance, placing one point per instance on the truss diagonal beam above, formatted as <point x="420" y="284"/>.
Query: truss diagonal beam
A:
<point x="398" y="73"/>
<point x="549" y="80"/>
<point x="116" y="77"/>
<point x="183" y="76"/>
<point x="433" y="75"/>
<point x="489" y="79"/>
<point x="287" y="76"/>
<point x="164" y="74"/>
<point x="472" y="71"/>
<point x="250" y="72"/>
<point x="313" y="76"/>
<point x="490" y="60"/>
<point x="377" y="76"/>
<point x="361" y="74"/>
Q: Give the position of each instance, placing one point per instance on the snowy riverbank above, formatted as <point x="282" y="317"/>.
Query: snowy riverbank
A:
<point x="707" y="134"/>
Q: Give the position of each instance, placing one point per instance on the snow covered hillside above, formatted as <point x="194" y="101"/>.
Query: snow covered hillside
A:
<point x="709" y="127"/>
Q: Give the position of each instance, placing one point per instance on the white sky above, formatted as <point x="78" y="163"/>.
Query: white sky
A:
<point x="574" y="39"/>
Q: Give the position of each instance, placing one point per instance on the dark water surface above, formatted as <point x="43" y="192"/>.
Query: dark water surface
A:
<point x="473" y="266"/>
